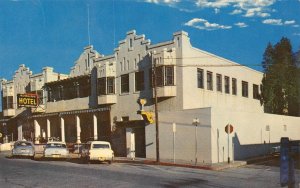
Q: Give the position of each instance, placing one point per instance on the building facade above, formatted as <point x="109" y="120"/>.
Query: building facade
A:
<point x="112" y="98"/>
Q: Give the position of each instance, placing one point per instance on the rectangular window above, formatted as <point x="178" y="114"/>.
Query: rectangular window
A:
<point x="110" y="85"/>
<point x="159" y="76"/>
<point x="101" y="86"/>
<point x="219" y="82"/>
<point x="125" y="83"/>
<point x="200" y="78"/>
<point x="255" y="92"/>
<point x="139" y="81"/>
<point x="209" y="80"/>
<point x="234" y="90"/>
<point x="7" y="102"/>
<point x="169" y="75"/>
<point x="244" y="89"/>
<point x="227" y="84"/>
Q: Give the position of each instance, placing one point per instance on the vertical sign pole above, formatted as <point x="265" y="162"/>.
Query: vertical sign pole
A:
<point x="228" y="130"/>
<point x="174" y="132"/>
<point x="218" y="145"/>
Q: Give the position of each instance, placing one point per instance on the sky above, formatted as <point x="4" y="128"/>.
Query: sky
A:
<point x="53" y="33"/>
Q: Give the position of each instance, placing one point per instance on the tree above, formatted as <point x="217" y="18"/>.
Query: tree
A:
<point x="280" y="84"/>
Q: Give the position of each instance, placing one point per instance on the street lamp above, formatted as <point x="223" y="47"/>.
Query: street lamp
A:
<point x="196" y="122"/>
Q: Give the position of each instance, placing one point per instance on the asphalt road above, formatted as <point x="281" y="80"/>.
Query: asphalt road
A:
<point x="30" y="173"/>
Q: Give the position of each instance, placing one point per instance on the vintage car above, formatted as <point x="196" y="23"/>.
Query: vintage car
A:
<point x="56" y="150"/>
<point x="97" y="151"/>
<point x="23" y="148"/>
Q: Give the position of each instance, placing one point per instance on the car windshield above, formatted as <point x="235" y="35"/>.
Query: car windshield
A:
<point x="100" y="146"/>
<point x="55" y="145"/>
<point x="23" y="144"/>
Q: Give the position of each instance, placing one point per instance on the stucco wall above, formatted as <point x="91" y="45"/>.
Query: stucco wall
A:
<point x="250" y="135"/>
<point x="185" y="139"/>
<point x="195" y="58"/>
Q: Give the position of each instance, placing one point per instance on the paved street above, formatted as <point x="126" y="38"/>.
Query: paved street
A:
<point x="30" y="173"/>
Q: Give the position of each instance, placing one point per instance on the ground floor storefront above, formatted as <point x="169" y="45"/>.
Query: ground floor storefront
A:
<point x="76" y="127"/>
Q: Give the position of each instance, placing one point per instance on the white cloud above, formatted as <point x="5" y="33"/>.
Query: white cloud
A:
<point x="273" y="21"/>
<point x="236" y="11"/>
<point x="263" y="14"/>
<point x="289" y="22"/>
<point x="217" y="10"/>
<point x="252" y="8"/>
<point x="163" y="1"/>
<point x="280" y="22"/>
<point x="297" y="34"/>
<point x="244" y="4"/>
<point x="241" y="24"/>
<point x="203" y="24"/>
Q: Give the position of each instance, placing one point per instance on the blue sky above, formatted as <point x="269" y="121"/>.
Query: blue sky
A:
<point x="41" y="33"/>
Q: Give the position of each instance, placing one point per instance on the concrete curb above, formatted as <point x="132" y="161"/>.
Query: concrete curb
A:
<point x="216" y="167"/>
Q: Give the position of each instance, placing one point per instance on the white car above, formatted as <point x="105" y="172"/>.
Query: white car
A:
<point x="56" y="150"/>
<point x="97" y="151"/>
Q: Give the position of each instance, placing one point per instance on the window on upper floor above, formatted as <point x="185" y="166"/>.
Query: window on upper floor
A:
<point x="130" y="43"/>
<point x="209" y="77"/>
<point x="255" y="92"/>
<point x="159" y="71"/>
<point x="106" y="85"/>
<point x="234" y="86"/>
<point x="101" y="85"/>
<point x="169" y="75"/>
<point x="125" y="83"/>
<point x="139" y="81"/>
<point x="200" y="78"/>
<point x="227" y="84"/>
<point x="219" y="82"/>
<point x="164" y="76"/>
<point x="7" y="102"/>
<point x="110" y="85"/>
<point x="244" y="89"/>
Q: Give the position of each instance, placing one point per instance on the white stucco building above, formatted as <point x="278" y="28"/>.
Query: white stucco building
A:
<point x="100" y="100"/>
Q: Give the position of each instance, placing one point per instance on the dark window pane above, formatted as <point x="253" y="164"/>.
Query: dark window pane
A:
<point x="125" y="83"/>
<point x="209" y="81"/>
<point x="200" y="78"/>
<point x="169" y="75"/>
<point x="139" y="81"/>
<point x="219" y="82"/>
<point x="227" y="84"/>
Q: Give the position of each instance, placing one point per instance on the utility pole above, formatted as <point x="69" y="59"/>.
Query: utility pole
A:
<point x="155" y="107"/>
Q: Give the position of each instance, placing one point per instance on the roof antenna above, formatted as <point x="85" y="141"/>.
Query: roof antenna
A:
<point x="88" y="7"/>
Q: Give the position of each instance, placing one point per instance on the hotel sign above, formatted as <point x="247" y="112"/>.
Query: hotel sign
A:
<point x="27" y="100"/>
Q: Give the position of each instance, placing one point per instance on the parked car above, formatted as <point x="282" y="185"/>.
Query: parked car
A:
<point x="23" y="148"/>
<point x="97" y="151"/>
<point x="56" y="150"/>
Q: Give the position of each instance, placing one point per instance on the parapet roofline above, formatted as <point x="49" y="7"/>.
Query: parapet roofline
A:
<point x="68" y="79"/>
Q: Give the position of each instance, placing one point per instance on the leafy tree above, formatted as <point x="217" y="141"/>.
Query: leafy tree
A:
<point x="280" y="82"/>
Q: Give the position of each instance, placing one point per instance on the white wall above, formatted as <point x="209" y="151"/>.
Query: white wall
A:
<point x="185" y="138"/>
<point x="250" y="135"/>
<point x="194" y="97"/>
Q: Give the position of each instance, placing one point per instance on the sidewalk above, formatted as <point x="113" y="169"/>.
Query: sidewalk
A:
<point x="181" y="163"/>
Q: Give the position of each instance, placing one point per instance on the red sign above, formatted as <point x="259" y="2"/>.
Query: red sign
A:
<point x="228" y="128"/>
